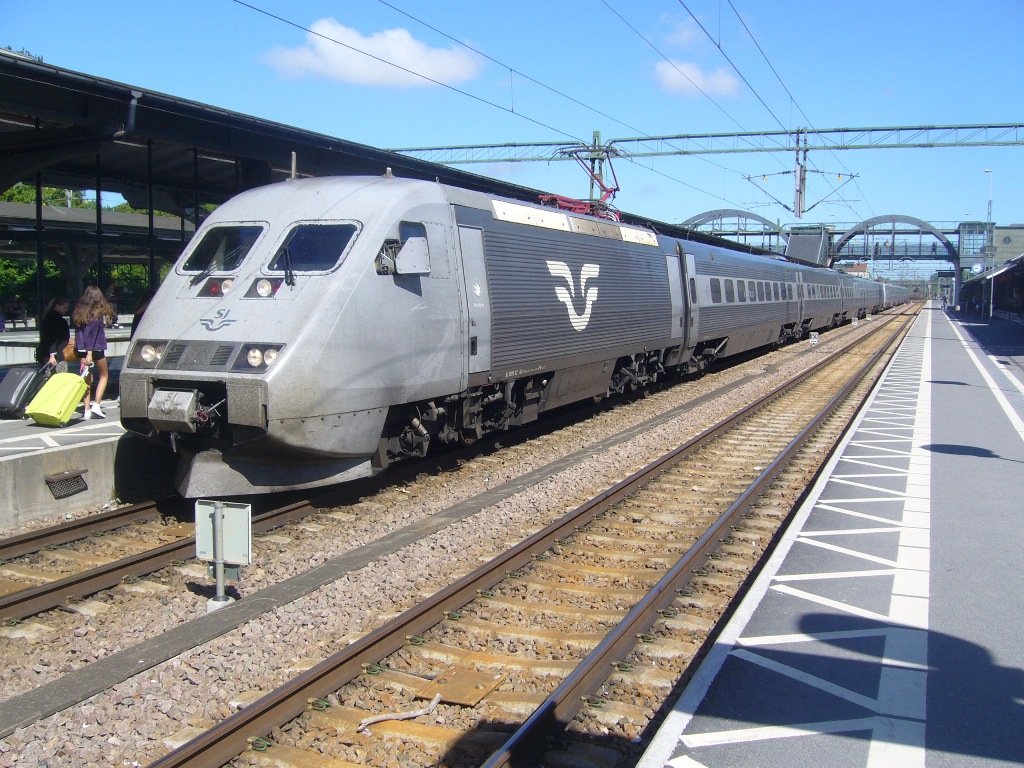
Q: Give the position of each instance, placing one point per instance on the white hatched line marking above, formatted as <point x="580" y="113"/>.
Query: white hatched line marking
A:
<point x="778" y="732"/>
<point x="864" y="461"/>
<point x="68" y="432"/>
<point x="833" y="575"/>
<point x="876" y="518"/>
<point x="847" y="551"/>
<point x="879" y="442"/>
<point x="894" y="473"/>
<point x="887" y="431"/>
<point x="866" y="486"/>
<point x="850" y="531"/>
<point x="882" y="448"/>
<point x="895" y="742"/>
<point x="904" y="609"/>
<point x="828" y="603"/>
<point x="685" y="762"/>
<point x="902" y="681"/>
<point x="804" y="637"/>
<point x="829" y="502"/>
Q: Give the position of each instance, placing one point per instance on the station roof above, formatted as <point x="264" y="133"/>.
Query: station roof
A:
<point x="79" y="132"/>
<point x="73" y="127"/>
<point x="1016" y="264"/>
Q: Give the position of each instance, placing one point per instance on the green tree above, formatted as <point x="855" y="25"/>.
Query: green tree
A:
<point x="64" y="198"/>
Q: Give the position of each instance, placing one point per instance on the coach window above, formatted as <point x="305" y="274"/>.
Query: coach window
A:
<point x="693" y="291"/>
<point x="760" y="291"/>
<point x="741" y="289"/>
<point x="716" y="291"/>
<point x="730" y="294"/>
<point x="775" y="291"/>
<point x="751" y="290"/>
<point x="789" y="291"/>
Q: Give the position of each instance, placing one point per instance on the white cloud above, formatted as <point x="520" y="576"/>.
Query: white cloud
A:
<point x="325" y="58"/>
<point x="682" y="34"/>
<point x="685" y="78"/>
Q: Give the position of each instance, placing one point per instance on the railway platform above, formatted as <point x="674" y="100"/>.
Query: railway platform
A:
<point x="884" y="630"/>
<point x="86" y="449"/>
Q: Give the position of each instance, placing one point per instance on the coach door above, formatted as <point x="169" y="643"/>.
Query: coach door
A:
<point x="692" y="311"/>
<point x="478" y="297"/>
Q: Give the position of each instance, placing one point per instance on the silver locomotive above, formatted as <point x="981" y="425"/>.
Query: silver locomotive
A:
<point x="316" y="330"/>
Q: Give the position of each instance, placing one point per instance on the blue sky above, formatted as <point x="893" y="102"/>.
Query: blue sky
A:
<point x="541" y="71"/>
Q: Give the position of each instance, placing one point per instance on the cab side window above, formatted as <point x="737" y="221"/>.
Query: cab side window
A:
<point x="406" y="255"/>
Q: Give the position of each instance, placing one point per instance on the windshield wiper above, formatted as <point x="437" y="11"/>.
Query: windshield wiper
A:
<point x="289" y="273"/>
<point x="212" y="267"/>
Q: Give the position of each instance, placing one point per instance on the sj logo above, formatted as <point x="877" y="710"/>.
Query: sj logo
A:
<point x="219" y="320"/>
<point x="561" y="269"/>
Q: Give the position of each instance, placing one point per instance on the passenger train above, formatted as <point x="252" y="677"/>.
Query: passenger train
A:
<point x="315" y="330"/>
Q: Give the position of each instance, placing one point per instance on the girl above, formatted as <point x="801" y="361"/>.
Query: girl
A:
<point x="92" y="313"/>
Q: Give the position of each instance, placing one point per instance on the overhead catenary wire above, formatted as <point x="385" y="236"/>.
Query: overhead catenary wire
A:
<point x="792" y="98"/>
<point x="482" y="100"/>
<point x="786" y="89"/>
<point x="513" y="71"/>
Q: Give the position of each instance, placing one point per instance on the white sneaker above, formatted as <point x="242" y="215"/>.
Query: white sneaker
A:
<point x="97" y="411"/>
<point x="86" y="414"/>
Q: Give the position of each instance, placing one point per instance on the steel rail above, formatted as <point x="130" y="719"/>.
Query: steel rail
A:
<point x="530" y="740"/>
<point x="44" y="597"/>
<point x="65" y="533"/>
<point x="230" y="737"/>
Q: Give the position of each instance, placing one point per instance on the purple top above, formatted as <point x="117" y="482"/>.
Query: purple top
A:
<point x="91" y="337"/>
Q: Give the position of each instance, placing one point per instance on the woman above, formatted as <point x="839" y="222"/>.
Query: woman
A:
<point x="92" y="313"/>
<point x="54" y="332"/>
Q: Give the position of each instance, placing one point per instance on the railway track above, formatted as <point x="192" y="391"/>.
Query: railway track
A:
<point x="62" y="565"/>
<point x="579" y="632"/>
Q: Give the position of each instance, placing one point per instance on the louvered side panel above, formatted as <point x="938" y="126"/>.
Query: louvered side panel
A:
<point x="557" y="296"/>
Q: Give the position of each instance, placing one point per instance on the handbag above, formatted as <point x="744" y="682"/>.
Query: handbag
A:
<point x="69" y="354"/>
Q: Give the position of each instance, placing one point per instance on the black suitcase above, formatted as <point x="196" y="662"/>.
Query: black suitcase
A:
<point x="18" y="388"/>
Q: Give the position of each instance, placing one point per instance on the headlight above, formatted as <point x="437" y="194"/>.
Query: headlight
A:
<point x="256" y="357"/>
<point x="264" y="288"/>
<point x="216" y="287"/>
<point x="147" y="354"/>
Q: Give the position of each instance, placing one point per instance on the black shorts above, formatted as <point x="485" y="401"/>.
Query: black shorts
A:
<point x="96" y="354"/>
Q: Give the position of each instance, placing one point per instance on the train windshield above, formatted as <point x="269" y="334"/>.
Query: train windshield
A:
<point x="222" y="248"/>
<point x="312" y="248"/>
